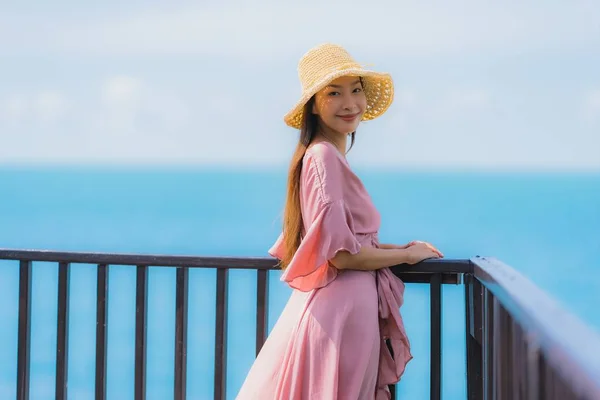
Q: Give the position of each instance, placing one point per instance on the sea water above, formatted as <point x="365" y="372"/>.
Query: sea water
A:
<point x="545" y="225"/>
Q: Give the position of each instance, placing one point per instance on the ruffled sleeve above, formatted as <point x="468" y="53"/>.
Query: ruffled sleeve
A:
<point x="328" y="223"/>
<point x="330" y="232"/>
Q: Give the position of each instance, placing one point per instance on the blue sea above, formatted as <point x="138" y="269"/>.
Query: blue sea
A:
<point x="546" y="225"/>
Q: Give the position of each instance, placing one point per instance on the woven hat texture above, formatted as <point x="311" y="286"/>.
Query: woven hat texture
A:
<point x="327" y="62"/>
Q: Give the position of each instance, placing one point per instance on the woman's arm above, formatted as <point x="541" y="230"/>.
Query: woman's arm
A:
<point x="371" y="258"/>
<point x="393" y="246"/>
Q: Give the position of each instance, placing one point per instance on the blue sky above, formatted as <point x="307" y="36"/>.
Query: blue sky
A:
<point x="479" y="84"/>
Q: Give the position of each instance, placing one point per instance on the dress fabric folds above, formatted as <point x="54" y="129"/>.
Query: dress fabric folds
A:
<point x="329" y="341"/>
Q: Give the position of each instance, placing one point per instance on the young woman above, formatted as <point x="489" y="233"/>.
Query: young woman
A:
<point x="329" y="342"/>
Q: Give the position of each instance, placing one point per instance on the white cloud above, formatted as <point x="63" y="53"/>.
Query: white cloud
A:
<point x="120" y="98"/>
<point x="273" y="29"/>
<point x="463" y="128"/>
<point x="442" y="105"/>
<point x="591" y="106"/>
<point x="121" y="91"/>
<point x="123" y="119"/>
<point x="208" y="84"/>
<point x="14" y="107"/>
<point x="130" y="121"/>
<point x="45" y="106"/>
<point x="50" y="105"/>
<point x="130" y="106"/>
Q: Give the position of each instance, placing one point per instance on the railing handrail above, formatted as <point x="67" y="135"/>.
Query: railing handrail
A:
<point x="432" y="266"/>
<point x="569" y="345"/>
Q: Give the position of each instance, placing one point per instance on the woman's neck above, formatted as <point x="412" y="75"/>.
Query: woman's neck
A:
<point x="339" y="140"/>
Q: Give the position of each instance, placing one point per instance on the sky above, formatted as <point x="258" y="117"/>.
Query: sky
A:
<point x="478" y="84"/>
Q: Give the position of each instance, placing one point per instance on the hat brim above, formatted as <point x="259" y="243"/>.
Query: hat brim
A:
<point x="378" y="88"/>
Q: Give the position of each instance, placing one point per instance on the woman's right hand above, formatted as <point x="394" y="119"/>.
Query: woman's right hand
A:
<point x="419" y="251"/>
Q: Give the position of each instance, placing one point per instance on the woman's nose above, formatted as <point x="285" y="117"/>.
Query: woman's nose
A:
<point x="350" y="103"/>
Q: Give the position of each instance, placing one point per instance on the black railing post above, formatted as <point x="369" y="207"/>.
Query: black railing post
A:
<point x="24" y="334"/>
<point x="181" y="323"/>
<point x="221" y="335"/>
<point x="488" y="346"/>
<point x="436" y="336"/>
<point x="518" y="369"/>
<point x="262" y="297"/>
<point x="141" y="315"/>
<point x="62" y="331"/>
<point x="497" y="349"/>
<point x="473" y="335"/>
<point x="101" y="330"/>
<point x="533" y="373"/>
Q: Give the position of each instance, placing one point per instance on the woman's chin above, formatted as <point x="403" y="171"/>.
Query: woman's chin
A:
<point x="343" y="128"/>
<point x="348" y="130"/>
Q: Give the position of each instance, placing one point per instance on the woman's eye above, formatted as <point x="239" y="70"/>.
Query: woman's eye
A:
<point x="357" y="90"/>
<point x="334" y="93"/>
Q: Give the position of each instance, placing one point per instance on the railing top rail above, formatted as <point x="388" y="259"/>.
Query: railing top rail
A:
<point x="433" y="266"/>
<point x="570" y="347"/>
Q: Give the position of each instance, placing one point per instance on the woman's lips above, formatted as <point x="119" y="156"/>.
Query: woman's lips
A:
<point x="348" y="118"/>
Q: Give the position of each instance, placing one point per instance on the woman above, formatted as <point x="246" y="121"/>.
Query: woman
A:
<point x="329" y="342"/>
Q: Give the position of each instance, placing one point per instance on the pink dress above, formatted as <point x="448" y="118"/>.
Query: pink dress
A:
<point x="328" y="343"/>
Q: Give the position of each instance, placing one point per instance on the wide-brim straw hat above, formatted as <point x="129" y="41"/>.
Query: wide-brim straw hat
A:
<point x="327" y="62"/>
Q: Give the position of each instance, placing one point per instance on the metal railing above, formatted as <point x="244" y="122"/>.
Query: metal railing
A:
<point x="520" y="344"/>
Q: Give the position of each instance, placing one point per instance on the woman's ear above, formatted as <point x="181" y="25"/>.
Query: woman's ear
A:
<point x="314" y="108"/>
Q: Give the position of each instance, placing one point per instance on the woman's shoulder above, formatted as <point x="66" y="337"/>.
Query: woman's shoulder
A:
<point x="325" y="154"/>
<point x="325" y="168"/>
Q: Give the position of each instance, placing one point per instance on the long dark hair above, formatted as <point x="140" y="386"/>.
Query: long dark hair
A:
<point x="292" y="216"/>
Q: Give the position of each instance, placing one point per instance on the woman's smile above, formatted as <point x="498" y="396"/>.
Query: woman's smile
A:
<point x="349" y="117"/>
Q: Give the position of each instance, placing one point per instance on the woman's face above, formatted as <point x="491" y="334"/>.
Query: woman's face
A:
<point x="341" y="105"/>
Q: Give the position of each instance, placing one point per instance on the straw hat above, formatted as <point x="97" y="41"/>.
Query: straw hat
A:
<point x="327" y="62"/>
